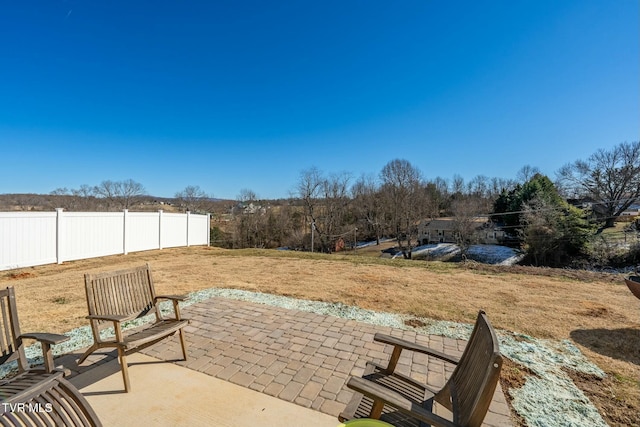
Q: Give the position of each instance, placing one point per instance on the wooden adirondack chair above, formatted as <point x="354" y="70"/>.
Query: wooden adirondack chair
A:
<point x="36" y="396"/>
<point x="397" y="399"/>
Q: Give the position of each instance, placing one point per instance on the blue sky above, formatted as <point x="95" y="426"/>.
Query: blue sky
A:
<point x="232" y="95"/>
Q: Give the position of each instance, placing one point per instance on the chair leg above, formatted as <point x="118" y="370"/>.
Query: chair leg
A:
<point x="376" y="409"/>
<point x="125" y="369"/>
<point x="183" y="344"/>
<point x="48" y="357"/>
<point x="86" y="354"/>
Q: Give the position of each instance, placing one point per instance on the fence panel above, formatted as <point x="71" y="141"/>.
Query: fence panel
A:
<point x="198" y="230"/>
<point x="27" y="238"/>
<point x="143" y="230"/>
<point x="91" y="234"/>
<point x="37" y="238"/>
<point x="174" y="230"/>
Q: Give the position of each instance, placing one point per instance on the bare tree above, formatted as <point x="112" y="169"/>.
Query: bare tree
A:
<point x="81" y="199"/>
<point x="401" y="184"/>
<point x="282" y="222"/>
<point x="466" y="210"/>
<point x="247" y="195"/>
<point x="309" y="186"/>
<point x="478" y="186"/>
<point x="193" y="199"/>
<point x="107" y="191"/>
<point x="84" y="191"/>
<point x="457" y="184"/>
<point x="119" y="194"/>
<point x="325" y="201"/>
<point x="26" y="202"/>
<point x="611" y="178"/>
<point x="335" y="192"/>
<point x="85" y="198"/>
<point x="130" y="191"/>
<point x="251" y="230"/>
<point x="368" y="206"/>
<point x="526" y="173"/>
<point x="59" y="198"/>
<point x="479" y="189"/>
<point x="435" y="197"/>
<point x="251" y="224"/>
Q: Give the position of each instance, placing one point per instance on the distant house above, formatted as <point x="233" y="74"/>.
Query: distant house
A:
<point x="633" y="210"/>
<point x="442" y="230"/>
<point x="439" y="230"/>
<point x="249" y="209"/>
<point x="254" y="209"/>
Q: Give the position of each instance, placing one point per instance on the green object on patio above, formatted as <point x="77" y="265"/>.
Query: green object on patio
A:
<point x="364" y="422"/>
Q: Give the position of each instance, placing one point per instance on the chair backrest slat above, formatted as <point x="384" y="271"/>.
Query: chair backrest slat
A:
<point x="473" y="381"/>
<point x="124" y="292"/>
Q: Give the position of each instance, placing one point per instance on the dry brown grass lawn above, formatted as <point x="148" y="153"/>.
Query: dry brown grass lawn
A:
<point x="595" y="311"/>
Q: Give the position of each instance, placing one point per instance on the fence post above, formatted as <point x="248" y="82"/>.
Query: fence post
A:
<point x="59" y="235"/>
<point x="208" y="229"/>
<point x="125" y="220"/>
<point x="160" y="229"/>
<point x="188" y="221"/>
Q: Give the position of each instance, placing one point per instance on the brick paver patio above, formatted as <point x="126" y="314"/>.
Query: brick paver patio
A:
<point x="304" y="358"/>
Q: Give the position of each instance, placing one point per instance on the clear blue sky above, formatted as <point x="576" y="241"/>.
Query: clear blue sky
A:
<point x="232" y="95"/>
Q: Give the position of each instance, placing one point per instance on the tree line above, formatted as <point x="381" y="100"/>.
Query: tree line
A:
<point x="109" y="196"/>
<point x="555" y="222"/>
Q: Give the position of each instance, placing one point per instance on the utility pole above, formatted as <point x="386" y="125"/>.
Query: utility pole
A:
<point x="355" y="239"/>
<point x="313" y="227"/>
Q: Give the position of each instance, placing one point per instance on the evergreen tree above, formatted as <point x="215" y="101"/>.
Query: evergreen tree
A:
<point x="551" y="231"/>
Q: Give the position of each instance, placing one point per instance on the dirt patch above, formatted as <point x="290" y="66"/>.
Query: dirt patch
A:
<point x="20" y="275"/>
<point x="584" y="275"/>
<point x="514" y="375"/>
<point x="415" y="323"/>
<point x="605" y="394"/>
<point x="598" y="310"/>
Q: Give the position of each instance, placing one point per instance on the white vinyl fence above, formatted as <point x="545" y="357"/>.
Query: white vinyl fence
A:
<point x="36" y="238"/>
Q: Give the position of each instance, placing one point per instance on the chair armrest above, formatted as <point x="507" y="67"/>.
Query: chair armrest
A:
<point x="395" y="399"/>
<point x="50" y="339"/>
<point x="407" y="345"/>
<point x="171" y="297"/>
<point x="176" y="306"/>
<point x="109" y="317"/>
<point x="46" y="341"/>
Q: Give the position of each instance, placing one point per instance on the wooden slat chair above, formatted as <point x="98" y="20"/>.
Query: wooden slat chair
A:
<point x="119" y="296"/>
<point x="400" y="400"/>
<point x="35" y="395"/>
<point x="50" y="401"/>
<point x="12" y="339"/>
